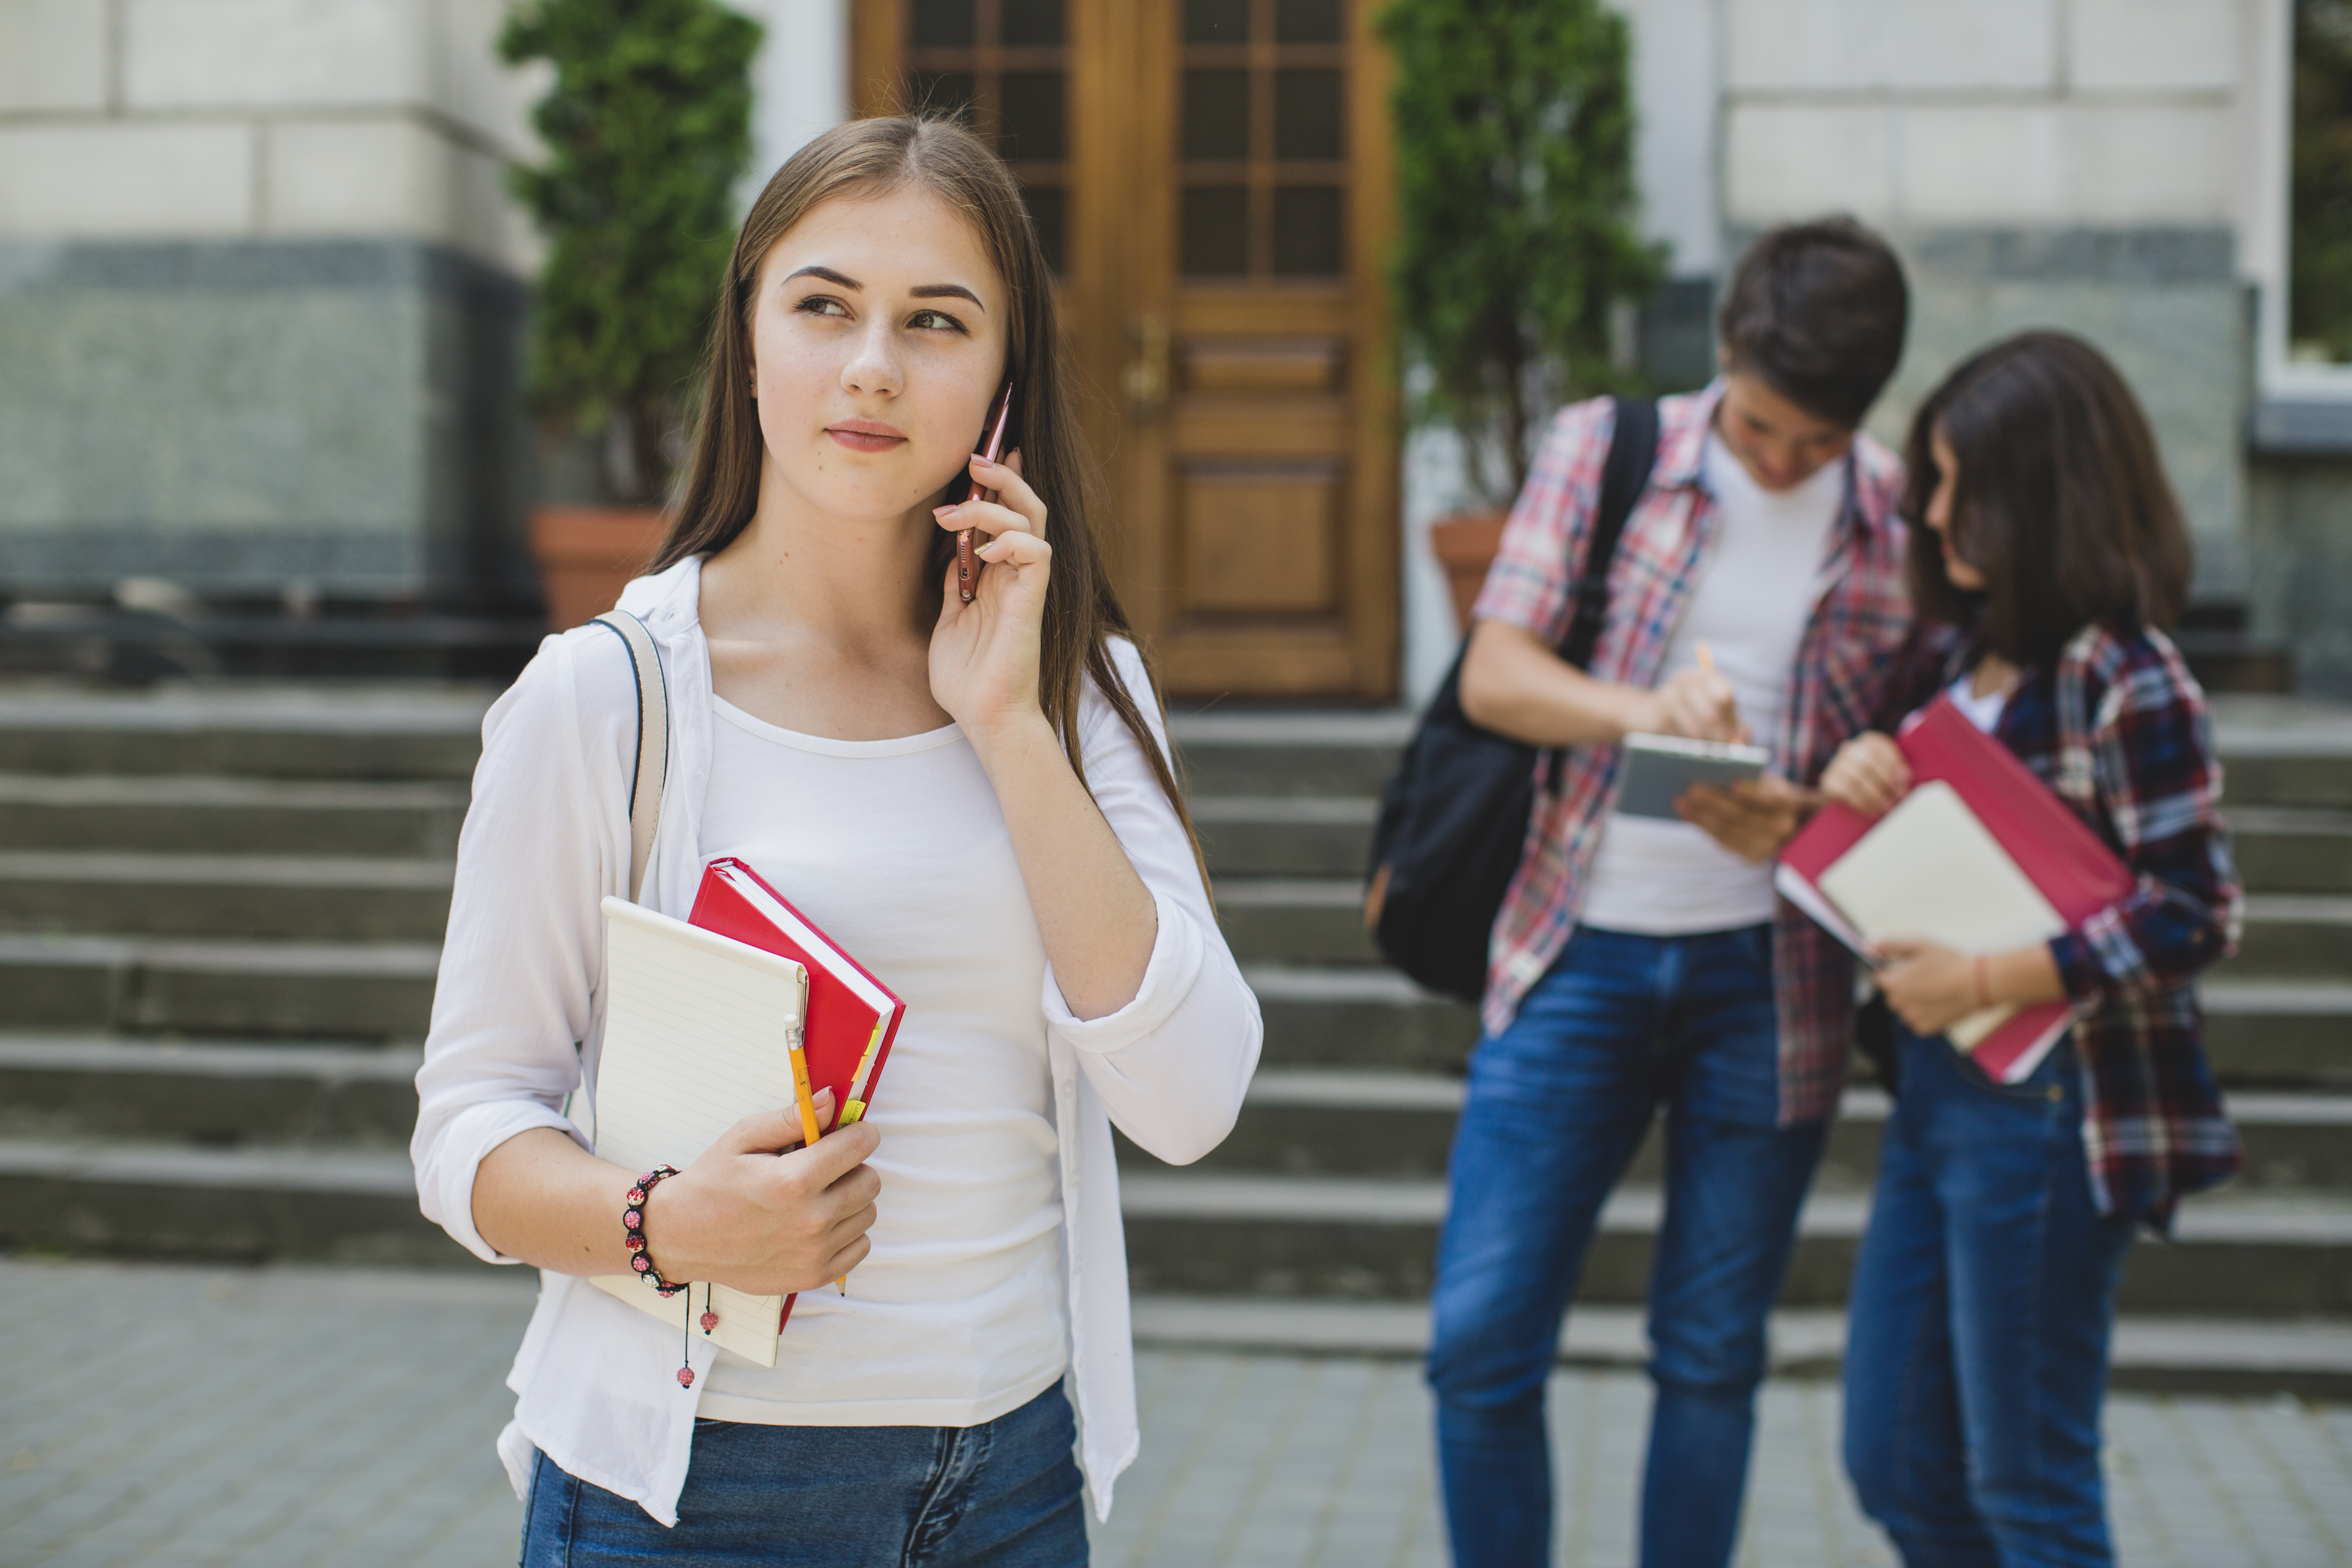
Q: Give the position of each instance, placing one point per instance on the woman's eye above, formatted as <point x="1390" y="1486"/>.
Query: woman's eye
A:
<point x="819" y="305"/>
<point x="935" y="320"/>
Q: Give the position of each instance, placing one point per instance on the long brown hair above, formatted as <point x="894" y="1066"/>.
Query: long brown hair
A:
<point x="2062" y="502"/>
<point x="873" y="157"/>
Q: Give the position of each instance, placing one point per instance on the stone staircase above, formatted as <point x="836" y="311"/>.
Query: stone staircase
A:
<point x="1314" y="1225"/>
<point x="220" y="908"/>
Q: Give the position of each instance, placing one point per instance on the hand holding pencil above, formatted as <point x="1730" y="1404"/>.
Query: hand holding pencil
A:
<point x="1698" y="704"/>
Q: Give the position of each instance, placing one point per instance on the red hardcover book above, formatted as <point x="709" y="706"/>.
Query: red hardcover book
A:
<point x="853" y="1017"/>
<point x="2057" y="852"/>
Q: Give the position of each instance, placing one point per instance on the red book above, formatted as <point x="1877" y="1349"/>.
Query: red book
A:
<point x="853" y="1017"/>
<point x="2057" y="852"/>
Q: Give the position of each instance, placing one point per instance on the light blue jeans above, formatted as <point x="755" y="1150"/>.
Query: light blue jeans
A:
<point x="1004" y="1494"/>
<point x="1559" y="1102"/>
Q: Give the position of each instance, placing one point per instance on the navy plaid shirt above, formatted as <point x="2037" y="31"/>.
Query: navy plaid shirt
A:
<point x="2117" y="728"/>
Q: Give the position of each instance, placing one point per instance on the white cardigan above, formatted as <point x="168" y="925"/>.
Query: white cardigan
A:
<point x="547" y="836"/>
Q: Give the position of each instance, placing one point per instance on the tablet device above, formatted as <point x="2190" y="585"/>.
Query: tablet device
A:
<point x="1658" y="768"/>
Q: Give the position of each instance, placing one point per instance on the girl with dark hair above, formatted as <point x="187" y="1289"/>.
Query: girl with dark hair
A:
<point x="971" y="795"/>
<point x="2047" y="554"/>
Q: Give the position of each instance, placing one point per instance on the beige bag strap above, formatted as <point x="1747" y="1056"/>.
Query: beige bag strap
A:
<point x="653" y="740"/>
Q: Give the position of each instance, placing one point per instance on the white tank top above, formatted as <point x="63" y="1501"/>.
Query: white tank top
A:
<point x="898" y="850"/>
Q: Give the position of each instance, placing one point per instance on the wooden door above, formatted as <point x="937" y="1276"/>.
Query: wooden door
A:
<point x="1213" y="183"/>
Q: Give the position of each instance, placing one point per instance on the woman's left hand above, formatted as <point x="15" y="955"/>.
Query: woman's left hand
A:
<point x="1930" y="987"/>
<point x="984" y="654"/>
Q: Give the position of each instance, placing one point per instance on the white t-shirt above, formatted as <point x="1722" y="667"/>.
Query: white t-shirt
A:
<point x="898" y="850"/>
<point x="1984" y="711"/>
<point x="1749" y="605"/>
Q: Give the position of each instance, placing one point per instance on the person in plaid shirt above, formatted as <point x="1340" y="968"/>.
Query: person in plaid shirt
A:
<point x="1757" y="594"/>
<point x="1984" y="1294"/>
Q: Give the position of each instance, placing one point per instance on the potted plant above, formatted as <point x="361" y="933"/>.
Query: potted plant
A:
<point x="647" y="127"/>
<point x="1514" y="163"/>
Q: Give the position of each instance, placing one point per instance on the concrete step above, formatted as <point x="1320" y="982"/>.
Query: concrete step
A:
<point x="1336" y="1122"/>
<point x="212" y="1094"/>
<point x="2205" y="1355"/>
<point x="1295" y="921"/>
<point x="1299" y="920"/>
<point x="2261" y="1034"/>
<point x="2279" y="849"/>
<point x="2280" y="751"/>
<point x="2276" y="1034"/>
<point x="1192" y="1234"/>
<point x="311" y="731"/>
<point x="2294" y="934"/>
<point x="1289" y="753"/>
<point x="172" y="815"/>
<point x="2285" y="850"/>
<point x="381" y="991"/>
<point x="152" y="1200"/>
<point x="2283" y="751"/>
<point x="258" y="896"/>
<point x="1209" y="1234"/>
<point x="1285" y="836"/>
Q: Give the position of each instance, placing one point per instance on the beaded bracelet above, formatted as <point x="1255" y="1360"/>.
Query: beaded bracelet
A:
<point x="633" y="1226"/>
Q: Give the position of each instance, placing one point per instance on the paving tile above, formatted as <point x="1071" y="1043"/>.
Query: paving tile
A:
<point x="229" y="1420"/>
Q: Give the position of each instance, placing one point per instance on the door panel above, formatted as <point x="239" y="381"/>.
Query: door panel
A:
<point x="1213" y="178"/>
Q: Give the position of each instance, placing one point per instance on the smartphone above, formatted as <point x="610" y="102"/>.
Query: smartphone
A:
<point x="991" y="447"/>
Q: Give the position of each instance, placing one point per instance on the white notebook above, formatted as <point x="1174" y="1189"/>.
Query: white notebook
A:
<point x="698" y="1032"/>
<point x="1932" y="871"/>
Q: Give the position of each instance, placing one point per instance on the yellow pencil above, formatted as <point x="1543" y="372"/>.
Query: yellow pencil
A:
<point x="809" y="1131"/>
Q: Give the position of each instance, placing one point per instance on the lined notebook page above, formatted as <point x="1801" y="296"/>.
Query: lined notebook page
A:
<point x="696" y="1026"/>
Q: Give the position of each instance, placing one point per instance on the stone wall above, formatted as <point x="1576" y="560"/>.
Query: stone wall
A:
<point x="2299" y="582"/>
<point x="260" y="298"/>
<point x="2069" y="164"/>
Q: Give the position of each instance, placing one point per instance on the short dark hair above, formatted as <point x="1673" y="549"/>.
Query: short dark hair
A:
<point x="2062" y="500"/>
<point x="1819" y="311"/>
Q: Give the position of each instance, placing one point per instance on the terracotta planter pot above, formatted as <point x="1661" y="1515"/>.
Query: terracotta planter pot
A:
<point x="587" y="554"/>
<point x="1464" y="544"/>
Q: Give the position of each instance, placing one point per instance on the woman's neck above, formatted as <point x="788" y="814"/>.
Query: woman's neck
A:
<point x="1992" y="673"/>
<point x="796" y="568"/>
<point x="822" y="624"/>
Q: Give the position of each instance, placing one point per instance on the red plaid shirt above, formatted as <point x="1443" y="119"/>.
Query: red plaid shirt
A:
<point x="1860" y="616"/>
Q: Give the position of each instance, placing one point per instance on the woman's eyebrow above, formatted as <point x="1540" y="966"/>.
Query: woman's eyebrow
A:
<point x="828" y="274"/>
<point x="945" y="291"/>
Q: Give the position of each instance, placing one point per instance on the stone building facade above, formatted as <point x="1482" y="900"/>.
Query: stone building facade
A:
<point x="261" y="292"/>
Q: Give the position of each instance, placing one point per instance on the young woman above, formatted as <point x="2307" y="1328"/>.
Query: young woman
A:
<point x="2052" y="553"/>
<point x="973" y="799"/>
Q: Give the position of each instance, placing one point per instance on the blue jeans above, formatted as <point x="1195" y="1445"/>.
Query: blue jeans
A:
<point x="1558" y="1104"/>
<point x="1976" y="1354"/>
<point x="1004" y="1494"/>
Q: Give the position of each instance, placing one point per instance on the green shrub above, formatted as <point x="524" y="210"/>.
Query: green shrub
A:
<point x="647" y="128"/>
<point x="1515" y="153"/>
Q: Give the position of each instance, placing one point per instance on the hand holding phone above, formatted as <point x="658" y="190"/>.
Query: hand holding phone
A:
<point x="968" y="565"/>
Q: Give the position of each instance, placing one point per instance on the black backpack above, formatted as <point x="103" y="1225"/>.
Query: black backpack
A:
<point x="1453" y="817"/>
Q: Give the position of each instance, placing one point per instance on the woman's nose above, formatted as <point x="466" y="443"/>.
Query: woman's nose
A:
<point x="873" y="367"/>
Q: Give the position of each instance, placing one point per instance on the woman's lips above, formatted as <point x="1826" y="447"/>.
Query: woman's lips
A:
<point x="858" y="438"/>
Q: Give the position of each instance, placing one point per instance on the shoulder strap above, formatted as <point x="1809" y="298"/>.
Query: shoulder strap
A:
<point x="1624" y="475"/>
<point x="652" y="770"/>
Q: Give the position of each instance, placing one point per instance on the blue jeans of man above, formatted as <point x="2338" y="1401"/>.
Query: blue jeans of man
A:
<point x="1558" y="1105"/>
<point x="1977" y="1335"/>
<point x="1004" y="1494"/>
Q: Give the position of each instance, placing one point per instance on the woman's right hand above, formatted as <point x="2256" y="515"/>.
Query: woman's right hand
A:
<point x="1868" y="773"/>
<point x="762" y="1214"/>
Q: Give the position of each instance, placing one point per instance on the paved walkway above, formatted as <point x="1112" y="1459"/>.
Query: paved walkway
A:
<point x="170" y="1417"/>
